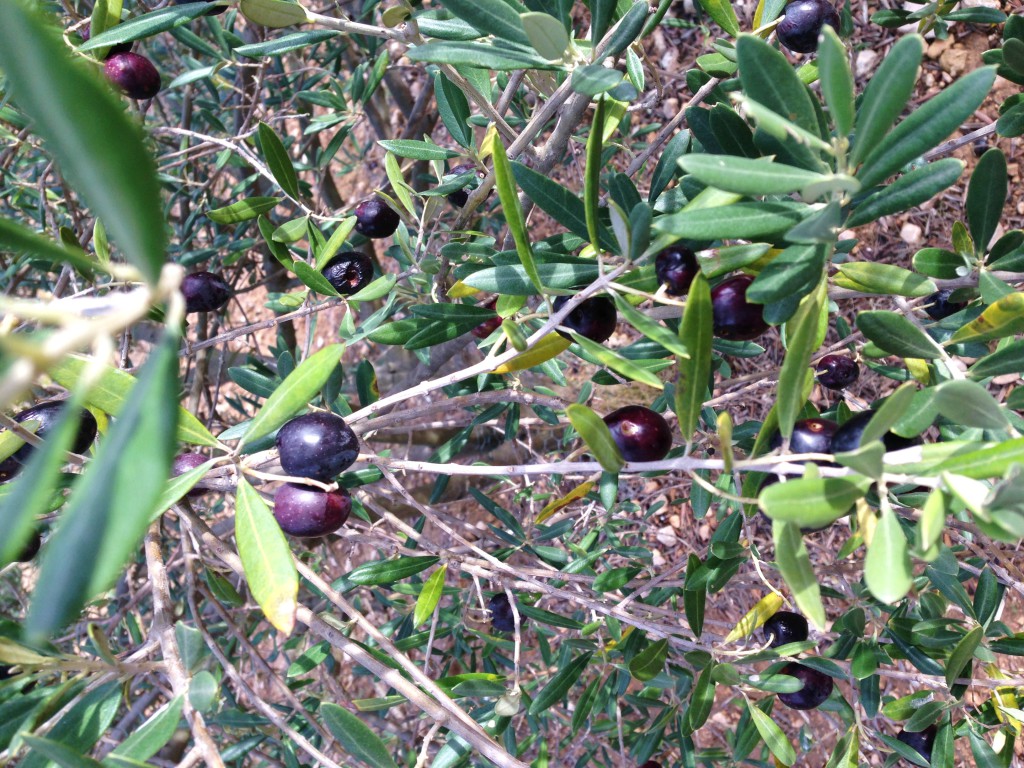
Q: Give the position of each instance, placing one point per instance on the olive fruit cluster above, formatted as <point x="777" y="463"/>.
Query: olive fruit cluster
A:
<point x="786" y="627"/>
<point x="318" y="446"/>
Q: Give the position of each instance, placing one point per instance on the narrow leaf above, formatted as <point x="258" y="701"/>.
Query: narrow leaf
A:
<point x="355" y="737"/>
<point x="886" y="96"/>
<point x="154" y="734"/>
<point x="772" y="735"/>
<point x="111" y="390"/>
<point x="560" y="684"/>
<point x="696" y="334"/>
<point x="897" y="335"/>
<point x="491" y="17"/>
<point x="795" y="566"/>
<point x="429" y="596"/>
<point x="243" y="210"/>
<point x="812" y="502"/>
<point x="836" y="80"/>
<point x="887" y="569"/>
<point x="873" y="277"/>
<point x="910" y="190"/>
<point x="278" y="160"/>
<point x="765" y="608"/>
<point x="970" y="404"/>
<point x="596" y="435"/>
<point x="648" y="664"/>
<point x="986" y="196"/>
<point x="748" y="176"/>
<point x="295" y="392"/>
<point x="801" y="341"/>
<point x="927" y="126"/>
<point x="379" y="572"/>
<point x="506" y="184"/>
<point x="266" y="558"/>
<point x="960" y="659"/>
<point x="549" y="347"/>
<point x="721" y="11"/>
<point x="113" y="503"/>
<point x="1003" y="318"/>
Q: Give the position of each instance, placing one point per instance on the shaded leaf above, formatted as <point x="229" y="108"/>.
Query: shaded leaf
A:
<point x="355" y="737"/>
<point x="560" y="684"/>
<point x="113" y="503"/>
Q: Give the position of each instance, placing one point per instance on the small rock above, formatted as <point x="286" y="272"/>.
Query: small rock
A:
<point x="865" y="63"/>
<point x="910" y="234"/>
<point x="666" y="536"/>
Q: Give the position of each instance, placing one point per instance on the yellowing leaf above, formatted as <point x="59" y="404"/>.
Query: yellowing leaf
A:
<point x="547" y="348"/>
<point x="461" y="291"/>
<point x="266" y="558"/>
<point x="429" y="596"/>
<point x="576" y="493"/>
<point x="766" y="607"/>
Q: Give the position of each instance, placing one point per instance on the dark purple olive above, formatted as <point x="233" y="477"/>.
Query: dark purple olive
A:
<point x="135" y="75"/>
<point x="640" y="433"/>
<point x="186" y="462"/>
<point x="86" y="33"/>
<point x="47" y="414"/>
<point x="809" y="436"/>
<point x="920" y="741"/>
<point x="375" y="218"/>
<point x="460" y="197"/>
<point x="733" y="317"/>
<point x="502" y="619"/>
<point x="205" y="292"/>
<point x="651" y="764"/>
<point x="939" y="307"/>
<point x="487" y="327"/>
<point x="349" y="272"/>
<point x="785" y="627"/>
<point x="817" y="686"/>
<point x="802" y="23"/>
<point x="675" y="267"/>
<point x="308" y="512"/>
<point x="836" y="372"/>
<point x="848" y="436"/>
<point x="594" y="318"/>
<point x="317" y="445"/>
